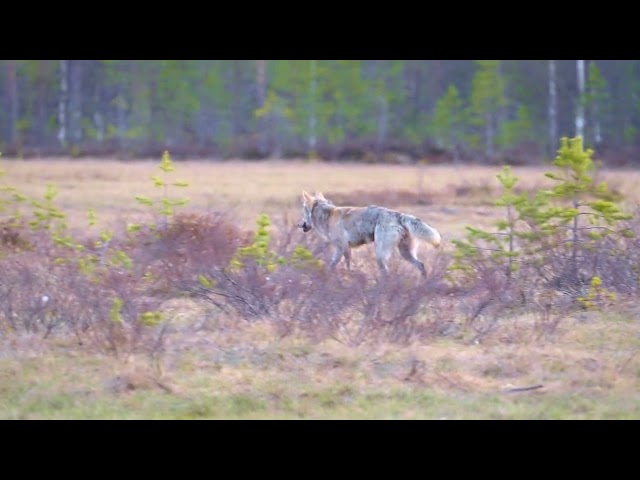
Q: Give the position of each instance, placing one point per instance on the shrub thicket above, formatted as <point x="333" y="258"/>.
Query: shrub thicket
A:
<point x="568" y="246"/>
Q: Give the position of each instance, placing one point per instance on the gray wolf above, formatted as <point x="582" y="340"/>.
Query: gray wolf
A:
<point x="349" y="227"/>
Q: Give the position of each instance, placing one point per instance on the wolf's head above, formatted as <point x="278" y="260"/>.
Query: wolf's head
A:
<point x="306" y="223"/>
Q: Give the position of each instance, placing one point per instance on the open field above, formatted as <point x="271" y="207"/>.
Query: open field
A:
<point x="217" y="366"/>
<point x="449" y="197"/>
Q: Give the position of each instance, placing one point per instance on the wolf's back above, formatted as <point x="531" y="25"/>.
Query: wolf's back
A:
<point x="419" y="229"/>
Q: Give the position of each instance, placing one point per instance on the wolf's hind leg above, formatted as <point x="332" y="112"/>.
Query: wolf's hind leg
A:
<point x="408" y="248"/>
<point x="385" y="239"/>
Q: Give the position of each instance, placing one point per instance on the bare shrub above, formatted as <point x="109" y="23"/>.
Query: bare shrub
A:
<point x="190" y="244"/>
<point x="353" y="307"/>
<point x="616" y="261"/>
<point x="44" y="292"/>
<point x="13" y="236"/>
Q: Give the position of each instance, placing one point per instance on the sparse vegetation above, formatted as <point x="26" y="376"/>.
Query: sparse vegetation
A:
<point x="195" y="314"/>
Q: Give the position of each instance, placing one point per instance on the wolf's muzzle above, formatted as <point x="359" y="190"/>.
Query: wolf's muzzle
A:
<point x="305" y="227"/>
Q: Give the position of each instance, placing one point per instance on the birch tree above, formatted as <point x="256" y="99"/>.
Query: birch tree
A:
<point x="62" y="102"/>
<point x="261" y="89"/>
<point x="75" y="71"/>
<point x="580" y="118"/>
<point x="553" y="107"/>
<point x="313" y="89"/>
<point x="11" y="69"/>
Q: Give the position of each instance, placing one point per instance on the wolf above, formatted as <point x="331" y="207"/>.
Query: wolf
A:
<point x="349" y="227"/>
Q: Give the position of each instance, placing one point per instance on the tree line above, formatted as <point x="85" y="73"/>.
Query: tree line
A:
<point x="372" y="110"/>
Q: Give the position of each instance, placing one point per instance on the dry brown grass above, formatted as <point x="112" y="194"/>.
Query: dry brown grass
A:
<point x="215" y="366"/>
<point x="238" y="370"/>
<point x="449" y="197"/>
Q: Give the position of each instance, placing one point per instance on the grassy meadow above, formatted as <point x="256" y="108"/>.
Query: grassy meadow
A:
<point x="215" y="365"/>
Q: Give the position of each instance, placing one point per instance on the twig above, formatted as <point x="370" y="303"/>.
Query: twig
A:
<point x="627" y="361"/>
<point x="198" y="291"/>
<point x="451" y="382"/>
<point x="523" y="389"/>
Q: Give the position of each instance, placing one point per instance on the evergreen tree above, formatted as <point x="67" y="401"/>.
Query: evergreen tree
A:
<point x="449" y="119"/>
<point x="488" y="101"/>
<point x="581" y="211"/>
<point x="551" y="234"/>
<point x="597" y="102"/>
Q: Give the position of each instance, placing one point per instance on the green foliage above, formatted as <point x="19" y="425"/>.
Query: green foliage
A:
<point x="630" y="134"/>
<point x="449" y="119"/>
<point x="560" y="223"/>
<point x="121" y="258"/>
<point x="598" y="296"/>
<point x="499" y="246"/>
<point x="577" y="192"/>
<point x="138" y="103"/>
<point x="259" y="249"/>
<point x="91" y="215"/>
<point x="488" y="99"/>
<point x="115" y="312"/>
<point x="273" y="105"/>
<point x="517" y="130"/>
<point x="103" y="256"/>
<point x="10" y="201"/>
<point x="597" y="101"/>
<point x="165" y="205"/>
<point x="205" y="281"/>
<point x="46" y="216"/>
<point x="148" y="318"/>
<point x="151" y="319"/>
<point x="580" y="207"/>
<point x="597" y="89"/>
<point x="303" y="258"/>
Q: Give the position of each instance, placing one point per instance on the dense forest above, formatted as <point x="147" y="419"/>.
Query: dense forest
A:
<point x="369" y="110"/>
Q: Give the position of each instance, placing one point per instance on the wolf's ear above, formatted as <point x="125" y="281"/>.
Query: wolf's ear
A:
<point x="306" y="198"/>
<point x="319" y="196"/>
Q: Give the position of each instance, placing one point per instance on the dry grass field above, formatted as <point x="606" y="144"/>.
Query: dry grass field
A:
<point x="216" y="366"/>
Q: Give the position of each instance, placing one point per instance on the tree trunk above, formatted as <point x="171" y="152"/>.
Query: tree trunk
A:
<point x="382" y="125"/>
<point x="62" y="102"/>
<point x="553" y="108"/>
<point x="75" y="100"/>
<point x="263" y="123"/>
<point x="313" y="83"/>
<point x="436" y="84"/>
<point x="580" y="107"/>
<point x="595" y="116"/>
<point x="597" y="130"/>
<point x="235" y="102"/>
<point x="261" y="78"/>
<point x="573" y="273"/>
<point x="121" y="116"/>
<point x="412" y="80"/>
<point x="42" y="89"/>
<point x="500" y="116"/>
<point x="98" y="110"/>
<point x="489" y="134"/>
<point x="12" y="93"/>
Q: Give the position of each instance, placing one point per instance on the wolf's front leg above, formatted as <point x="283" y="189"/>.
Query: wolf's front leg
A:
<point x="337" y="255"/>
<point x="347" y="257"/>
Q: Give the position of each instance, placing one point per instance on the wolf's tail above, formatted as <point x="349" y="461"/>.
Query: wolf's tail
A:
<point x="421" y="230"/>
